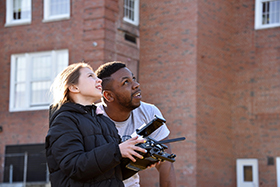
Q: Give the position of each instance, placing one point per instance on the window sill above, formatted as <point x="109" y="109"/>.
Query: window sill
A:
<point x="267" y="27"/>
<point x="131" y="22"/>
<point x="10" y="24"/>
<point x="20" y="184"/>
<point x="28" y="109"/>
<point x="56" y="19"/>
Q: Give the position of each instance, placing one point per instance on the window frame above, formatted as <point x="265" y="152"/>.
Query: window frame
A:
<point x="28" y="56"/>
<point x="258" y="16"/>
<point x="251" y="162"/>
<point x="278" y="170"/>
<point x="9" y="15"/>
<point x="48" y="18"/>
<point x="136" y="13"/>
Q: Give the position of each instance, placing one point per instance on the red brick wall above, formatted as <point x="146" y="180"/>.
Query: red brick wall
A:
<point x="124" y="50"/>
<point x="256" y="93"/>
<point x="215" y="162"/>
<point x="167" y="72"/>
<point x="219" y="89"/>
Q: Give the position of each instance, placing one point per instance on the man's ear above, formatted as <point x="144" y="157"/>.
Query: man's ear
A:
<point x="108" y="95"/>
<point x="73" y="88"/>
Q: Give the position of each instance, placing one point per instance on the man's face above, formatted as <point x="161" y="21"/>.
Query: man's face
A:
<point x="126" y="89"/>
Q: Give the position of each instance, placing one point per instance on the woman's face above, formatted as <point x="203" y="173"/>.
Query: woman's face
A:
<point x="89" y="85"/>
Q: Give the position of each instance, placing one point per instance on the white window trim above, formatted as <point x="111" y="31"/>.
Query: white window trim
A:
<point x="136" y="14"/>
<point x="240" y="172"/>
<point x="9" y="15"/>
<point x="12" y="79"/>
<point x="258" y="16"/>
<point x="278" y="171"/>
<point x="48" y="18"/>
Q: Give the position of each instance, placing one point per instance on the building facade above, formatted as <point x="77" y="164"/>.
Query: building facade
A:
<point x="211" y="67"/>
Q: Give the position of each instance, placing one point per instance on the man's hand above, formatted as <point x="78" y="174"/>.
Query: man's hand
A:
<point x="166" y="171"/>
<point x="128" y="148"/>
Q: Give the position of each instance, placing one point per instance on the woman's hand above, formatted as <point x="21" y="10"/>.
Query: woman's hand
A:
<point x="128" y="148"/>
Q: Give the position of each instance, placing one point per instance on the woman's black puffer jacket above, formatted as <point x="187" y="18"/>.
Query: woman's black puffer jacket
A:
<point x="82" y="148"/>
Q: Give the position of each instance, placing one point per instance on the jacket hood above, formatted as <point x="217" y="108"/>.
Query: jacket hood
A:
<point x="70" y="107"/>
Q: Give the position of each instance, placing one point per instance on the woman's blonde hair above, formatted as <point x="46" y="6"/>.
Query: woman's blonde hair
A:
<point x="69" y="76"/>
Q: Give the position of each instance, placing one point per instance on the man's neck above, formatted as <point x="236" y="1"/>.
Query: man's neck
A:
<point x="116" y="114"/>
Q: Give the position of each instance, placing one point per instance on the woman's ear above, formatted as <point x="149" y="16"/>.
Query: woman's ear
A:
<point x="73" y="88"/>
<point x="108" y="95"/>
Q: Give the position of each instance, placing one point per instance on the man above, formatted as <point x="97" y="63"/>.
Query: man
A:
<point x="121" y="102"/>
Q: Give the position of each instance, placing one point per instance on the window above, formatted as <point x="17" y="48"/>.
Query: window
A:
<point x="247" y="172"/>
<point x="56" y="10"/>
<point x="31" y="78"/>
<point x="25" y="163"/>
<point x="267" y="14"/>
<point x="18" y="12"/>
<point x="278" y="171"/>
<point x="131" y="11"/>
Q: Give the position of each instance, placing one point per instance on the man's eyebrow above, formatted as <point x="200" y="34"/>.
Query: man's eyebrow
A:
<point x="123" y="78"/>
<point x="132" y="75"/>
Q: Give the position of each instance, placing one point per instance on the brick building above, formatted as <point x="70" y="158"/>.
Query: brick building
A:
<point x="212" y="67"/>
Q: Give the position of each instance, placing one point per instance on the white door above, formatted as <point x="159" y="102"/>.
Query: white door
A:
<point x="247" y="173"/>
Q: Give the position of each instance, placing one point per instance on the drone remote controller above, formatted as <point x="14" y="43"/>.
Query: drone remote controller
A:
<point x="155" y="149"/>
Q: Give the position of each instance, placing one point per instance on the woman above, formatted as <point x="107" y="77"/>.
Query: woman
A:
<point x="82" y="146"/>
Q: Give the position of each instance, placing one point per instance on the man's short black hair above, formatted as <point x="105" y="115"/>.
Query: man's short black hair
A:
<point x="107" y="69"/>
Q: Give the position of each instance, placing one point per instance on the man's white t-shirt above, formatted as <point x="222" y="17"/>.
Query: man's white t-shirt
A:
<point x="143" y="114"/>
